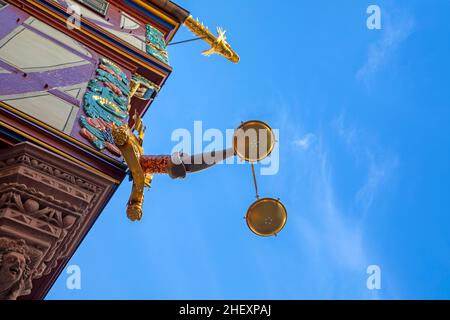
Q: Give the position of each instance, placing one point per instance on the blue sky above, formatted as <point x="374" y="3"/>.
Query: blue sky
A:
<point x="364" y="153"/>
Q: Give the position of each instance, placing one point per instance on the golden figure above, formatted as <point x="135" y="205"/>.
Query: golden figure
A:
<point x="131" y="147"/>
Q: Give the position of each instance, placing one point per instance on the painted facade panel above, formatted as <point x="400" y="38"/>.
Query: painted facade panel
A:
<point x="53" y="78"/>
<point x="76" y="91"/>
<point x="47" y="108"/>
<point x="43" y="72"/>
<point x="134" y="40"/>
<point x="59" y="36"/>
<point x="29" y="51"/>
<point x="141" y="36"/>
<point x="118" y="23"/>
<point x="4" y="70"/>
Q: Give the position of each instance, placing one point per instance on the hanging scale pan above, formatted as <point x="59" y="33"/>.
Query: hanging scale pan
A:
<point x="253" y="141"/>
<point x="266" y="217"/>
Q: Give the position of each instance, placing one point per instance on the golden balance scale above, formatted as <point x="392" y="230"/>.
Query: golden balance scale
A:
<point x="266" y="216"/>
<point x="253" y="141"/>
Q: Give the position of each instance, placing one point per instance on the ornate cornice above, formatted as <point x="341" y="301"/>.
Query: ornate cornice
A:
<point x="49" y="203"/>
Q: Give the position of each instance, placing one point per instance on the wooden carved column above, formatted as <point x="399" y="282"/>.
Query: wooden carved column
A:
<point x="47" y="205"/>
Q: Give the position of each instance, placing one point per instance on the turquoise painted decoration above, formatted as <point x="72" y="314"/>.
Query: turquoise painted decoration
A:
<point x="157" y="54"/>
<point x="105" y="103"/>
<point x="97" y="106"/>
<point x="156" y="44"/>
<point x="108" y="77"/>
<point x="156" y="37"/>
<point x="116" y="69"/>
<point x="96" y="86"/>
<point x="100" y="137"/>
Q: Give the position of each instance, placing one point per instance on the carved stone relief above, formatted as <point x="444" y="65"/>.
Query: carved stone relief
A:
<point x="47" y="204"/>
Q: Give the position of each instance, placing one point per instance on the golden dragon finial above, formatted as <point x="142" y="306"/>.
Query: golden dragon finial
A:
<point x="218" y="44"/>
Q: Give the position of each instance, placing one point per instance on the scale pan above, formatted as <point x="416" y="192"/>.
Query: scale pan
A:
<point x="266" y="217"/>
<point x="253" y="141"/>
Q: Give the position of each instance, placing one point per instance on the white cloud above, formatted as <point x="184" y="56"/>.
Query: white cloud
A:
<point x="381" y="51"/>
<point x="380" y="165"/>
<point x="378" y="174"/>
<point x="331" y="239"/>
<point x="331" y="227"/>
<point x="328" y="228"/>
<point x="306" y="141"/>
<point x="343" y="237"/>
